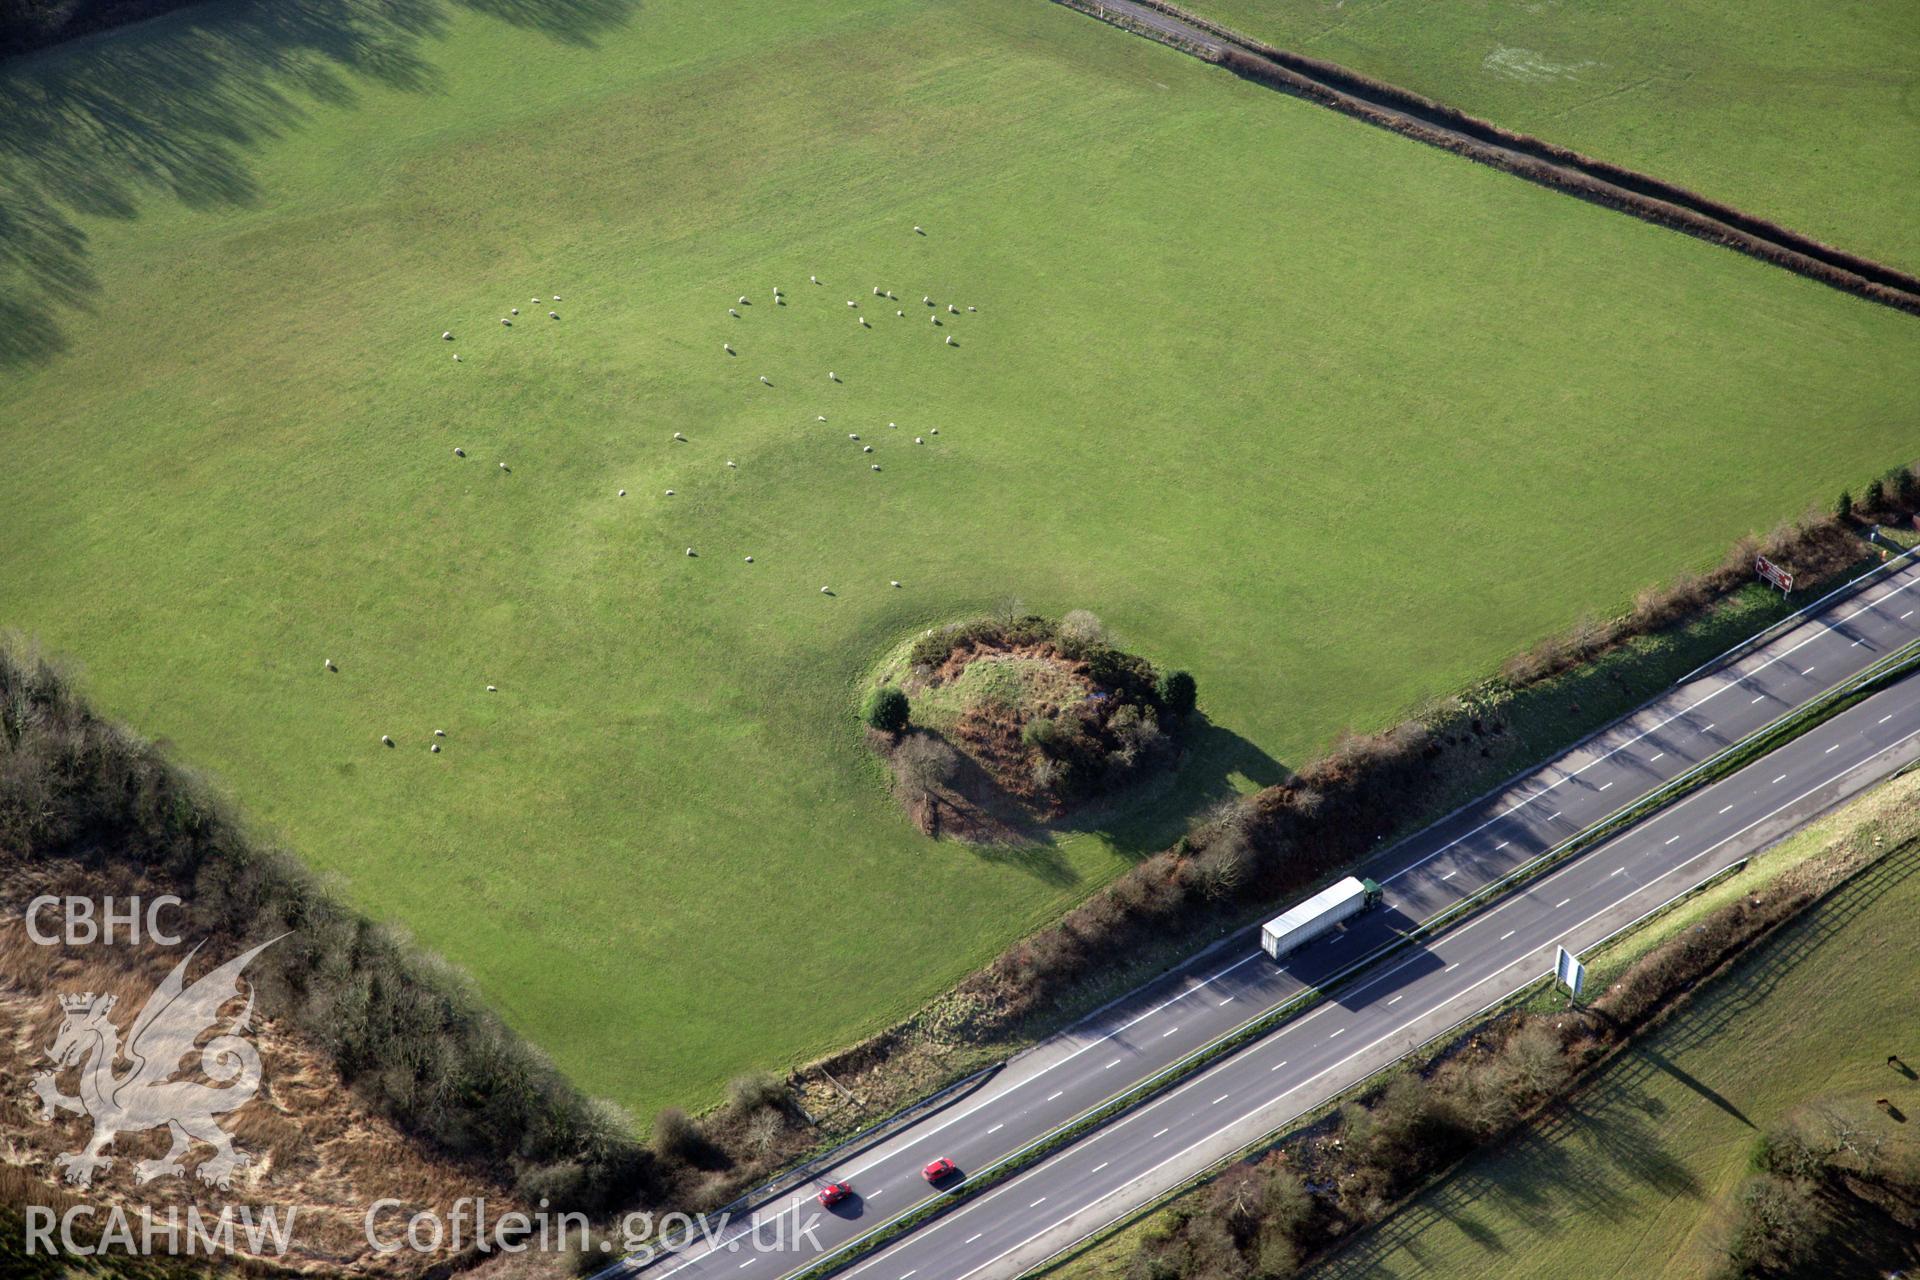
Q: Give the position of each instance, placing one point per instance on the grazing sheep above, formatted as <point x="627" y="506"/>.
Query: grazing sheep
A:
<point x="689" y="550"/>
<point x="876" y="466"/>
<point x="900" y="313"/>
<point x="385" y="740"/>
<point x="866" y="448"/>
<point x="892" y="295"/>
<point x="815" y="279"/>
<point x="825" y="591"/>
<point x="973" y="308"/>
<point x="556" y="297"/>
<point x="493" y="688"/>
<point x="516" y="310"/>
<point x="727" y="347"/>
<point x="822" y="417"/>
<point x="917" y="231"/>
<point x="919" y="440"/>
<point x="439" y="733"/>
<point x="506" y="322"/>
<point x="852" y="435"/>
<point x="456" y="357"/>
<point x="749" y="559"/>
<point x="952" y="310"/>
<point x="447" y="336"/>
<point x="924" y="298"/>
<point x="435" y="748"/>
<point x="328" y="664"/>
<point x="877" y="293"/>
<point x="679" y="437"/>
<point x="895" y="581"/>
<point x="852" y="303"/>
<point x="536" y="299"/>
<point x="864" y="324"/>
<point x="832" y="376"/>
<point x="732" y="463"/>
<point x="951" y="342"/>
<point x="743" y="300"/>
<point x="763" y="378"/>
<point x="459" y="453"/>
<point x="623" y="493"/>
<point x="733" y="313"/>
<point x="669" y="493"/>
<point x="894" y="425"/>
<point x="934" y="432"/>
<point x="505" y="467"/>
<point x="553" y="315"/>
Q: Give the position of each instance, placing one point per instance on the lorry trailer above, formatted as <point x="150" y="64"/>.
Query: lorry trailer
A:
<point x="1306" y="921"/>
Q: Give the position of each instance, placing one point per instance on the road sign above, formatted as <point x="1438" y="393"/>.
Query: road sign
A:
<point x="1773" y="573"/>
<point x="1570" y="972"/>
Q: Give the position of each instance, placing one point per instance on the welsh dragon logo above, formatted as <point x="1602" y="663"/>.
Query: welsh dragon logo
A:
<point x="145" y="1096"/>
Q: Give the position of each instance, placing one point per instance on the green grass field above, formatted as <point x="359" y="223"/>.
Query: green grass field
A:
<point x="1801" y="111"/>
<point x="1638" y="1177"/>
<point x="1331" y="419"/>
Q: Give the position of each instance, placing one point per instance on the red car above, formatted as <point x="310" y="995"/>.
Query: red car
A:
<point x="833" y="1193"/>
<point x="939" y="1169"/>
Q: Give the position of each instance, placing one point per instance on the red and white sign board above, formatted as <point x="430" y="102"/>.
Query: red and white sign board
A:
<point x="1773" y="573"/>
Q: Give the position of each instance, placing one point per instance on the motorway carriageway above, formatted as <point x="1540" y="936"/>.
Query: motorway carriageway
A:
<point x="1124" y="1164"/>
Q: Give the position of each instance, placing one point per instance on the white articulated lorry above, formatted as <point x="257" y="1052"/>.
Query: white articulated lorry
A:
<point x="1310" y="919"/>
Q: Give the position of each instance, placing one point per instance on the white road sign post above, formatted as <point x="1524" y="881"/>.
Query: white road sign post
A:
<point x="1568" y="971"/>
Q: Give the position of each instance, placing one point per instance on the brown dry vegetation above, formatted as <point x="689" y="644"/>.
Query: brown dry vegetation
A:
<point x="317" y="1149"/>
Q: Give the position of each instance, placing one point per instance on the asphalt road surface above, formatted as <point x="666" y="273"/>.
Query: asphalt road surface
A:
<point x="1381" y="1016"/>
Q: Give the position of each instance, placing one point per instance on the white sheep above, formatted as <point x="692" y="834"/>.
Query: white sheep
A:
<point x="766" y="380"/>
<point x="679" y="437"/>
<point x="852" y="303"/>
<point x="504" y="467"/>
<point x="895" y="581"/>
<point x="553" y="315"/>
<point x="973" y="308"/>
<point x="917" y="231"/>
<point x="826" y="591"/>
<point x="733" y="313"/>
<point x="877" y="293"/>
<point x="556" y="297"/>
<point x="493" y="688"/>
<point x="439" y="733"/>
<point x="435" y="748"/>
<point x="749" y="559"/>
<point x="866" y="448"/>
<point x="900" y="313"/>
<point x="919" y="440"/>
<point x="669" y="493"/>
<point x="924" y="298"/>
<point x="459" y="453"/>
<point x="934" y="432"/>
<point x="864" y="324"/>
<point x="623" y="493"/>
<point x="506" y="322"/>
<point x="536" y="299"/>
<point x="447" y="336"/>
<point x="815" y="279"/>
<point x="732" y="463"/>
<point x="743" y="300"/>
<point x="832" y="376"/>
<point x="876" y="466"/>
<point x="934" y="319"/>
<point x="456" y="357"/>
<point x="951" y="342"/>
<point x="328" y="664"/>
<point x="822" y="417"/>
<point x="385" y="740"/>
<point x="516" y="310"/>
<point x="689" y="550"/>
<point x="727" y="347"/>
<point x="894" y="425"/>
<point x="853" y="435"/>
<point x="952" y="310"/>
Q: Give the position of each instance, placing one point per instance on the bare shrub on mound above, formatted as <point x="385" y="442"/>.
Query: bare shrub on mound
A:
<point x="925" y="765"/>
<point x="1079" y="631"/>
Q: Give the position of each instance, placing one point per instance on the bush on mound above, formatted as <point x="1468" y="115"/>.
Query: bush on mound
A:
<point x="1048" y="714"/>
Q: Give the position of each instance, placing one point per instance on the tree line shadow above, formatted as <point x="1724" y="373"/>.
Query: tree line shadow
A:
<point x="1588" y="1154"/>
<point x="175" y="110"/>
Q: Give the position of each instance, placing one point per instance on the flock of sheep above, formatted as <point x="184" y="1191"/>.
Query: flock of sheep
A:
<point x="780" y="299"/>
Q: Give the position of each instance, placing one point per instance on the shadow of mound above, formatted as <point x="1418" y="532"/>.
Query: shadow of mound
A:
<point x="1214" y="766"/>
<point x="175" y="110"/>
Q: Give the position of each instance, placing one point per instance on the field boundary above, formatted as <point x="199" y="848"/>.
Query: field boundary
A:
<point x="1278" y="1134"/>
<point x="1426" y="120"/>
<point x="1735" y="756"/>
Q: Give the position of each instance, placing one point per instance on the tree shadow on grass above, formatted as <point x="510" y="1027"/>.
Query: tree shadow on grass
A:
<point x="175" y="110"/>
<point x="1216" y="765"/>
